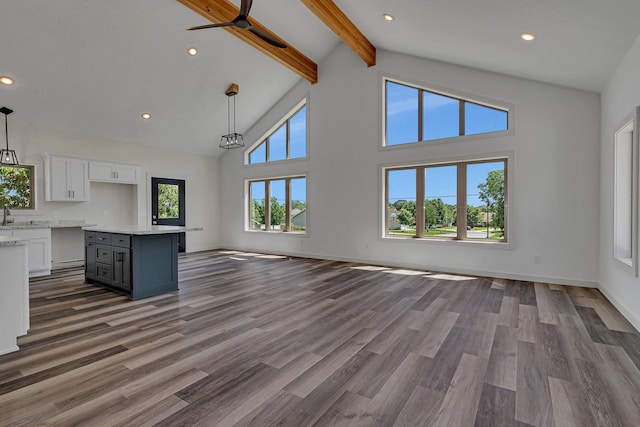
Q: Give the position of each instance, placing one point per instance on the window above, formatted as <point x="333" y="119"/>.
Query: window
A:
<point x="286" y="209"/>
<point x="16" y="187"/>
<point x="414" y="114"/>
<point x="288" y="141"/>
<point x="625" y="204"/>
<point x="461" y="201"/>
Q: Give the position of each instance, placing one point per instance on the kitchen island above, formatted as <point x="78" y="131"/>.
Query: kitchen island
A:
<point x="138" y="261"/>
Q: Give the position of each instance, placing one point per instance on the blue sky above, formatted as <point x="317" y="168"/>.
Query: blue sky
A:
<point x="441" y="116"/>
<point x="441" y="120"/>
<point x="278" y="141"/>
<point x="440" y="182"/>
<point x="298" y="189"/>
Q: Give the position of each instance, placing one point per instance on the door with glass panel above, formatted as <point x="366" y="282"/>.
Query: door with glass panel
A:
<point x="168" y="204"/>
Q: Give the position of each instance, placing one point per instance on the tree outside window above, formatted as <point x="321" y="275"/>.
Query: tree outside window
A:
<point x="16" y="184"/>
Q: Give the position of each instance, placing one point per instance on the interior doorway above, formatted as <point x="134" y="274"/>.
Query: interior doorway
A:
<point x="168" y="205"/>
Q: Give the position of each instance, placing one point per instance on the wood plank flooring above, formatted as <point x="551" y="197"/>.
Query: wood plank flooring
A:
<point x="261" y="340"/>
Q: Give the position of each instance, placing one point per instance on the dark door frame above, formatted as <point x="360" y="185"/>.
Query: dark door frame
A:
<point x="181" y="220"/>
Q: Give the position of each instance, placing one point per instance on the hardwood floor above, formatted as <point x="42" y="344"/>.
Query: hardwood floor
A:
<point x="258" y="340"/>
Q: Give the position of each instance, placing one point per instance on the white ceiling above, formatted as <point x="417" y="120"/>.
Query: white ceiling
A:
<point x="95" y="66"/>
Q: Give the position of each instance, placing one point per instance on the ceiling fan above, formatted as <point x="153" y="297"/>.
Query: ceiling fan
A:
<point x="242" y="21"/>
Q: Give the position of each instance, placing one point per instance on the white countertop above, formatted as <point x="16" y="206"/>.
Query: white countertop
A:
<point x="22" y="225"/>
<point x="140" y="230"/>
<point x="12" y="241"/>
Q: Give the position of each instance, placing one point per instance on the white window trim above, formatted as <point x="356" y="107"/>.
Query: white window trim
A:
<point x="440" y="90"/>
<point x="302" y="103"/>
<point x="631" y="124"/>
<point x="510" y="236"/>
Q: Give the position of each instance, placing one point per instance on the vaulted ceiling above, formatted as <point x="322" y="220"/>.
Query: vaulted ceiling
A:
<point x="95" y="67"/>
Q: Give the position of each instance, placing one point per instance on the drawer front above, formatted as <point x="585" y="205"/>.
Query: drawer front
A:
<point x="104" y="254"/>
<point x="104" y="272"/>
<point x="121" y="240"/>
<point x="103" y="238"/>
<point x="90" y="236"/>
<point x="33" y="233"/>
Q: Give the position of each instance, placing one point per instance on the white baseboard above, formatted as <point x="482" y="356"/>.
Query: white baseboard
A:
<point x="628" y="314"/>
<point x="67" y="264"/>
<point x="461" y="271"/>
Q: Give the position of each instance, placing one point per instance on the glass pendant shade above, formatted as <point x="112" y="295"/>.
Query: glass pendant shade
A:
<point x="7" y="157"/>
<point x="232" y="140"/>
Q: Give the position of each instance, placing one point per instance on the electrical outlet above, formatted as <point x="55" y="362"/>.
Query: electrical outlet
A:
<point x="105" y="213"/>
<point x="536" y="259"/>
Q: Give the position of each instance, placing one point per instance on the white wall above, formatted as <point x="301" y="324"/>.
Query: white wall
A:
<point x="119" y="204"/>
<point x="554" y="197"/>
<point x="620" y="97"/>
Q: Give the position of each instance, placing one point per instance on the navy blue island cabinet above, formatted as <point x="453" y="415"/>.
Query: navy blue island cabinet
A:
<point x="136" y="261"/>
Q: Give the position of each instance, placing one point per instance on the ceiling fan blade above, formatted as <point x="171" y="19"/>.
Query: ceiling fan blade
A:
<point x="202" y="27"/>
<point x="267" y="37"/>
<point x="245" y="7"/>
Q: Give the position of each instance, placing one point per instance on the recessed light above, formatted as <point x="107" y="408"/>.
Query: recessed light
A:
<point x="192" y="51"/>
<point x="388" y="17"/>
<point x="6" y="80"/>
<point x="145" y="116"/>
<point x="527" y="36"/>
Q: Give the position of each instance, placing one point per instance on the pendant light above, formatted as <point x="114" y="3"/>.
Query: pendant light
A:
<point x="231" y="139"/>
<point x="7" y="157"/>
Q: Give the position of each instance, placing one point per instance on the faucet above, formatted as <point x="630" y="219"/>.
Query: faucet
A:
<point x="6" y="213"/>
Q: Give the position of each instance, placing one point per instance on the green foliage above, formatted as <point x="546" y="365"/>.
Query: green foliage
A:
<point x="168" y="204"/>
<point x="474" y="216"/>
<point x="398" y="204"/>
<point x="257" y="213"/>
<point x="278" y="213"/>
<point x="492" y="193"/>
<point x="407" y="212"/>
<point x="15" y="186"/>
<point x="297" y="204"/>
<point x="438" y="213"/>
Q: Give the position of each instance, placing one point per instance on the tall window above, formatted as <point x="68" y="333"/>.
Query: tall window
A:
<point x="16" y="187"/>
<point x="415" y="114"/>
<point x="462" y="201"/>
<point x="278" y="204"/>
<point x="288" y="141"/>
<point x="625" y="208"/>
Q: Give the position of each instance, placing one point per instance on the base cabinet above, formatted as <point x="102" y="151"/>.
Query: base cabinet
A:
<point x="137" y="266"/>
<point x="38" y="248"/>
<point x="14" y="296"/>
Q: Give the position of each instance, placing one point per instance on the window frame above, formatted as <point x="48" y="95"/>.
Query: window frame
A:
<point x="32" y="186"/>
<point x="630" y="125"/>
<point x="284" y="121"/>
<point x="267" y="208"/>
<point x="462" y="97"/>
<point x="461" y="211"/>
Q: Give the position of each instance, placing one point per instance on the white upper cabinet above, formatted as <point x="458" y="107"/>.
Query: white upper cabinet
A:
<point x="113" y="172"/>
<point x="67" y="179"/>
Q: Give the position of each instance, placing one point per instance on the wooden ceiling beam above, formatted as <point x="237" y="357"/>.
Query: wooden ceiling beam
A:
<point x="334" y="18"/>
<point x="218" y="11"/>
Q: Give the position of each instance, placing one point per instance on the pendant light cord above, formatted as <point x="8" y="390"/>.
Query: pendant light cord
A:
<point x="6" y="131"/>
